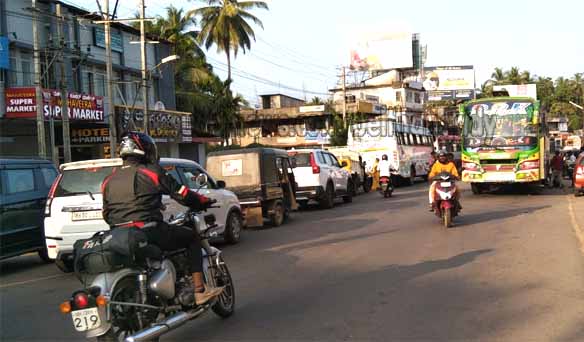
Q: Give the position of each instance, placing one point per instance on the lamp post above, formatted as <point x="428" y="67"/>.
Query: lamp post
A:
<point x="582" y="109"/>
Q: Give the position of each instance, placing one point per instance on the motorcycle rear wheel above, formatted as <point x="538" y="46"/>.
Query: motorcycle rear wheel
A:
<point x="225" y="305"/>
<point x="124" y="320"/>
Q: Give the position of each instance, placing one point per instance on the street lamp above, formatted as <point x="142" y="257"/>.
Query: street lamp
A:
<point x="166" y="59"/>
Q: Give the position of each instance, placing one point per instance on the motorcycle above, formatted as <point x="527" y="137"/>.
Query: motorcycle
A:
<point x="445" y="205"/>
<point x="143" y="301"/>
<point x="385" y="186"/>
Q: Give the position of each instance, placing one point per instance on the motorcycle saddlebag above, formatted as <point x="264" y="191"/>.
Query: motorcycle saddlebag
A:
<point x="95" y="255"/>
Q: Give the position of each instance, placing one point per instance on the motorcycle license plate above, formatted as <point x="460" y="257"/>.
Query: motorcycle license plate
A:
<point x="87" y="319"/>
<point x="445" y="184"/>
<point x="86" y="215"/>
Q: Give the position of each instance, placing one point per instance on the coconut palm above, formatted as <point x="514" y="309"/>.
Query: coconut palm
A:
<point x="224" y="23"/>
<point x="525" y="77"/>
<point x="514" y="76"/>
<point x="499" y="76"/>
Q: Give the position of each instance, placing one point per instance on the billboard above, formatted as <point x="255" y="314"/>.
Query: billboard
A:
<point x="389" y="51"/>
<point x="522" y="90"/>
<point x="449" y="82"/>
<point x="21" y="103"/>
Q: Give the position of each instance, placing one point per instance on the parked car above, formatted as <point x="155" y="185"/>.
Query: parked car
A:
<point x="579" y="175"/>
<point x="263" y="180"/>
<point x="24" y="185"/>
<point x="74" y="206"/>
<point x="321" y="177"/>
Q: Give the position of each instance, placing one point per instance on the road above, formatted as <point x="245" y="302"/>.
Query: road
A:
<point x="511" y="269"/>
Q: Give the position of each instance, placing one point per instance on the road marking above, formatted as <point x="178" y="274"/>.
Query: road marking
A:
<point x="31" y="281"/>
<point x="575" y="225"/>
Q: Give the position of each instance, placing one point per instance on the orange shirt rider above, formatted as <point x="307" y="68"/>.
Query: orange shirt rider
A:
<point x="438" y="168"/>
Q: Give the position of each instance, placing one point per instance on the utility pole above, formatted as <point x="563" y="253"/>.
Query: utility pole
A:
<point x="63" y="88"/>
<point x="42" y="148"/>
<point x="344" y="99"/>
<point x="144" y="70"/>
<point x="110" y="96"/>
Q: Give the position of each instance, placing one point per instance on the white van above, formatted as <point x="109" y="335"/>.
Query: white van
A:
<point x="74" y="204"/>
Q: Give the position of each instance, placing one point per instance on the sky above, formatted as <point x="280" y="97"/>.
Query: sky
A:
<point x="304" y="43"/>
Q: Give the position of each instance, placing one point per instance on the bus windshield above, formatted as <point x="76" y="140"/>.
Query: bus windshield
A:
<point x="505" y="124"/>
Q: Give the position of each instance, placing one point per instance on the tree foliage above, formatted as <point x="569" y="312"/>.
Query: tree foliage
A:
<point x="554" y="95"/>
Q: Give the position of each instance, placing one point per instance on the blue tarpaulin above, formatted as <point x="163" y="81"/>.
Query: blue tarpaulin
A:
<point x="4" y="53"/>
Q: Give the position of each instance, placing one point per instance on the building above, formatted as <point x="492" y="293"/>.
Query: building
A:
<point x="82" y="50"/>
<point x="391" y="94"/>
<point x="285" y="122"/>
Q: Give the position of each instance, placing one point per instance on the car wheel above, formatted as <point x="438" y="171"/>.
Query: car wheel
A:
<point x="348" y="198"/>
<point x="44" y="255"/>
<point x="233" y="226"/>
<point x="328" y="200"/>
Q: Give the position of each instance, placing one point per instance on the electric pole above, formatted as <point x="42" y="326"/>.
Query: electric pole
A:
<point x="42" y="148"/>
<point x="110" y="96"/>
<point x="344" y="99"/>
<point x="63" y="88"/>
<point x="144" y="71"/>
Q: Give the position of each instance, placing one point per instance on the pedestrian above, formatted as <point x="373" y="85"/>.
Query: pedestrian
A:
<point x="375" y="174"/>
<point x="557" y="167"/>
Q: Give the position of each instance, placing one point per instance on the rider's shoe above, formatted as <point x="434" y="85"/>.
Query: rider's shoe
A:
<point x="209" y="293"/>
<point x="431" y="208"/>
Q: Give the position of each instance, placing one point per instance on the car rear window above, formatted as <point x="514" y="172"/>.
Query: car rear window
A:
<point x="80" y="181"/>
<point x="302" y="159"/>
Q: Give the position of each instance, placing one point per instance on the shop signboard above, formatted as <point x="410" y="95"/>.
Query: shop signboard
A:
<point x="164" y="126"/>
<point x="90" y="134"/>
<point x="21" y="103"/>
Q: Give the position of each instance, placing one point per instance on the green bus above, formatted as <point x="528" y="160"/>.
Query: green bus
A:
<point x="503" y="141"/>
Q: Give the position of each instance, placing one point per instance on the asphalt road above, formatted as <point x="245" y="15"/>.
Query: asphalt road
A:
<point x="511" y="269"/>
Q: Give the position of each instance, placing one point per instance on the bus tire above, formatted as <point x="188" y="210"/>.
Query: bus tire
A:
<point x="476" y="188"/>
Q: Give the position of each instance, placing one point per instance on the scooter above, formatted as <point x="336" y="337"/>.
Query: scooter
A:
<point x="144" y="299"/>
<point x="385" y="186"/>
<point x="445" y="205"/>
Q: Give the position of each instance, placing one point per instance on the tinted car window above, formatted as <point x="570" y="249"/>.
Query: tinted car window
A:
<point x="321" y="158"/>
<point x="302" y="159"/>
<point x="19" y="180"/>
<point x="48" y="175"/>
<point x="76" y="182"/>
<point x="171" y="170"/>
<point x="333" y="160"/>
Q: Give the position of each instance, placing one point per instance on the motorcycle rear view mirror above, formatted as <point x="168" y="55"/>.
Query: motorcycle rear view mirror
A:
<point x="201" y="180"/>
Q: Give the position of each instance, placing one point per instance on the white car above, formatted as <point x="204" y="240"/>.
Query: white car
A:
<point x="74" y="204"/>
<point x="321" y="178"/>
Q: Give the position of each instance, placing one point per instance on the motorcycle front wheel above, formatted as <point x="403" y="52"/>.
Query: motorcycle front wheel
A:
<point x="447" y="217"/>
<point x="225" y="305"/>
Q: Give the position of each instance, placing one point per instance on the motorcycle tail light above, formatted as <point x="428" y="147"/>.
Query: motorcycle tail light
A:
<point x="81" y="300"/>
<point x="529" y="165"/>
<point x="65" y="307"/>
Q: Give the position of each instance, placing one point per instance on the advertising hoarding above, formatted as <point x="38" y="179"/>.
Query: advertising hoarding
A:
<point x="519" y="90"/>
<point x="389" y="51"/>
<point x="449" y="82"/>
<point x="21" y="103"/>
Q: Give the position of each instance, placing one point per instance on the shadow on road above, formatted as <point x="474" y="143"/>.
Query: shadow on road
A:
<point x="21" y="264"/>
<point x="471" y="219"/>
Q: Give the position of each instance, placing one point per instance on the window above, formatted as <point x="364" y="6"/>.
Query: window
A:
<point x="409" y="96"/>
<point x="398" y="97"/>
<point x="171" y="170"/>
<point x="412" y="141"/>
<point x="302" y="159"/>
<point x="12" y="74"/>
<point x="80" y="181"/>
<point x="333" y="160"/>
<point x="191" y="175"/>
<point x="99" y="86"/>
<point x="48" y="175"/>
<point x="321" y="158"/>
<point x="90" y="85"/>
<point x="417" y="98"/>
<point x="26" y="72"/>
<point x="19" y="181"/>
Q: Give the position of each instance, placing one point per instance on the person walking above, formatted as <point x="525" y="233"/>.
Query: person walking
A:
<point x="375" y="174"/>
<point x="557" y="168"/>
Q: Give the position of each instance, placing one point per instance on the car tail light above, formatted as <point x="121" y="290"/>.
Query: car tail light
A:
<point x="315" y="167"/>
<point x="81" y="300"/>
<point x="470" y="166"/>
<point x="529" y="165"/>
<point x="52" y="195"/>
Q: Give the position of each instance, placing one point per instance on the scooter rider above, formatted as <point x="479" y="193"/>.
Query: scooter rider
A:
<point x="132" y="197"/>
<point x="443" y="165"/>
<point x="384" y="167"/>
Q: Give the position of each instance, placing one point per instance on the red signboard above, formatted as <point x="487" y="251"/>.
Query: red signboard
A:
<point x="21" y="103"/>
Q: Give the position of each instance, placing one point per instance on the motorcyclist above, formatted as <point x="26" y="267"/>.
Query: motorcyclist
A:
<point x="384" y="167"/>
<point x="443" y="165"/>
<point x="132" y="197"/>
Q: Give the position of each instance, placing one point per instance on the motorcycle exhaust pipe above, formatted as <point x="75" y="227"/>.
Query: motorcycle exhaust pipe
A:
<point x="162" y="328"/>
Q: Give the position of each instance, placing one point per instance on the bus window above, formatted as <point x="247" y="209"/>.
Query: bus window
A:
<point x="411" y="136"/>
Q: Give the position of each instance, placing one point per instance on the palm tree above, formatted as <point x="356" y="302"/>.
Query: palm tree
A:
<point x="224" y="23"/>
<point x="514" y="76"/>
<point x="176" y="27"/>
<point x="499" y="76"/>
<point x="526" y="77"/>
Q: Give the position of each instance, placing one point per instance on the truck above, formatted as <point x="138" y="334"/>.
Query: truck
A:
<point x="503" y="142"/>
<point x="262" y="179"/>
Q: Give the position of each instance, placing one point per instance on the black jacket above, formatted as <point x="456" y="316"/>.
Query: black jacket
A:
<point x="133" y="193"/>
